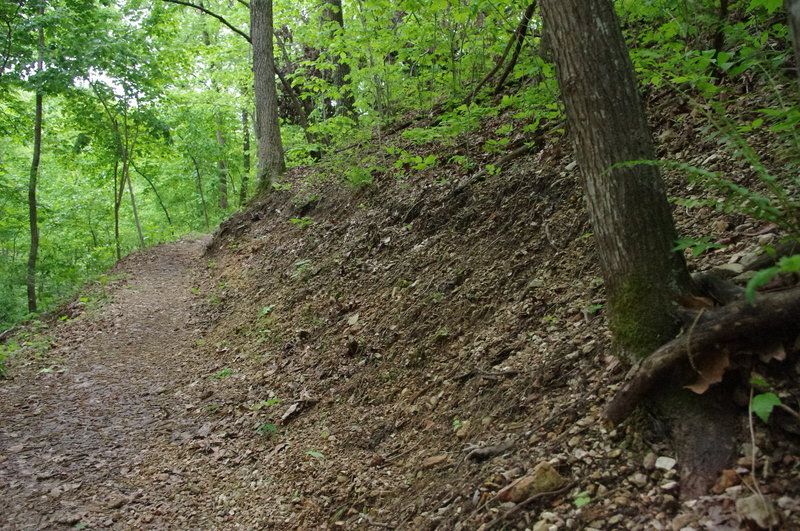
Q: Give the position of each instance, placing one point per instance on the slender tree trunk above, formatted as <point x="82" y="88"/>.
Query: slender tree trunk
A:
<point x="199" y="182"/>
<point x="155" y="191"/>
<point x="245" y="158"/>
<point x="793" y="14"/>
<point x="222" y="167"/>
<point x="332" y="12"/>
<point x="32" y="207"/>
<point x="135" y="210"/>
<point x="634" y="231"/>
<point x="33" y="253"/>
<point x="119" y="187"/>
<point x="521" y="27"/>
<point x="522" y="30"/>
<point x="271" y="164"/>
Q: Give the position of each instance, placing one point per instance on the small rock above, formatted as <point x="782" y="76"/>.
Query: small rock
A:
<point x="544" y="478"/>
<point x="682" y="520"/>
<point x="728" y="270"/>
<point x="669" y="485"/>
<point x="541" y="525"/>
<point x="649" y="462"/>
<point x="638" y="479"/>
<point x="571" y="166"/>
<point x="758" y="510"/>
<point x="665" y="463"/>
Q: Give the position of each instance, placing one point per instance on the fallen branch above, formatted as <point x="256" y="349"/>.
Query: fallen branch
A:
<point x="735" y="327"/>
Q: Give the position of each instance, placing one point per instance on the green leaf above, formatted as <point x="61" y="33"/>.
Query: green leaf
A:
<point x="315" y="454"/>
<point x="758" y="280"/>
<point x="763" y="405"/>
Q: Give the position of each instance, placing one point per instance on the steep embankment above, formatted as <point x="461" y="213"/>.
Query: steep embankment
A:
<point x="377" y="337"/>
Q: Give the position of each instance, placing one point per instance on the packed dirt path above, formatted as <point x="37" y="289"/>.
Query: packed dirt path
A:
<point x="73" y="433"/>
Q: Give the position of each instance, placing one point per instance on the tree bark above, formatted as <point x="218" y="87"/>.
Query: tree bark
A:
<point x="628" y="206"/>
<point x="245" y="158"/>
<point x="521" y="27"/>
<point x="199" y="182"/>
<point x="332" y="12"/>
<point x="271" y="163"/>
<point x="522" y="30"/>
<point x="135" y="210"/>
<point x="33" y="214"/>
<point x="793" y="15"/>
<point x="633" y="226"/>
<point x="32" y="207"/>
<point x="222" y="167"/>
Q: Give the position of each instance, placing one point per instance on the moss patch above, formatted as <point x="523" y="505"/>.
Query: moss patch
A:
<point x="640" y="319"/>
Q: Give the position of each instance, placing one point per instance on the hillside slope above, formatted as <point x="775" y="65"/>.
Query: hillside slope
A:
<point x="397" y="355"/>
<point x="381" y="335"/>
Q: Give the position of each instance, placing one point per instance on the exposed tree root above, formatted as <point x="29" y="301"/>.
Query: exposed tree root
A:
<point x="737" y="327"/>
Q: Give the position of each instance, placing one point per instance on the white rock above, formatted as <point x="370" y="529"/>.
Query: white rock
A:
<point x="665" y="463"/>
<point x="758" y="509"/>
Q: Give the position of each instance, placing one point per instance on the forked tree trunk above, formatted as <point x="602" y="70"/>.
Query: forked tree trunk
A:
<point x="633" y="225"/>
<point x="271" y="163"/>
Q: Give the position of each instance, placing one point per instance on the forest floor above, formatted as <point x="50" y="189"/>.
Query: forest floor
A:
<point x="429" y="351"/>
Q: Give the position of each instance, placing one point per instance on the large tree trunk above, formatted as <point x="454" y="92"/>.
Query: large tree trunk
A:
<point x="633" y="225"/>
<point x="628" y="206"/>
<point x="271" y="164"/>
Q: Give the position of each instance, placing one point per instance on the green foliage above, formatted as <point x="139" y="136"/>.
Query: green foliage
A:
<point x="305" y="221"/>
<point x="267" y="429"/>
<point x="224" y="373"/>
<point x="266" y="310"/>
<point x="582" y="499"/>
<point x="697" y="245"/>
<point x="763" y="404"/>
<point x="786" y="265"/>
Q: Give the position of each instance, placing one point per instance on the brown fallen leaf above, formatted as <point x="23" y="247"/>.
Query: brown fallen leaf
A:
<point x="710" y="371"/>
<point x="434" y="460"/>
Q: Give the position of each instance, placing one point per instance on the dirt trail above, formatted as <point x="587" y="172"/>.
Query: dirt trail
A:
<point x="71" y="437"/>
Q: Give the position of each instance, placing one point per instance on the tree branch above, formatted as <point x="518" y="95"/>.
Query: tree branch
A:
<point x="211" y="13"/>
